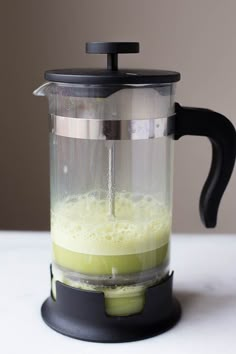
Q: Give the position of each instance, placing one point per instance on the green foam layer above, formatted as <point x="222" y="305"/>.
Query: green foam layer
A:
<point x="82" y="224"/>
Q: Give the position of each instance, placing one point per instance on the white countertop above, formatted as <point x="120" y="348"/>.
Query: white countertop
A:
<point x="204" y="282"/>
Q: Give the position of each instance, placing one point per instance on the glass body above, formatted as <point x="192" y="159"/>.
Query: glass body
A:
<point x="110" y="199"/>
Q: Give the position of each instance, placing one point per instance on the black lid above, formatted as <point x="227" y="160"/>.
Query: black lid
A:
<point x="112" y="75"/>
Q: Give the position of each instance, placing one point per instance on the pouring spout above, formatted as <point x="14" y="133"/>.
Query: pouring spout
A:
<point x="44" y="90"/>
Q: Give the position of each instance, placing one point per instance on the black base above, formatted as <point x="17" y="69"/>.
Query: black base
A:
<point x="81" y="314"/>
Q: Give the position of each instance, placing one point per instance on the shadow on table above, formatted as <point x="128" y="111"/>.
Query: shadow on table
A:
<point x="202" y="304"/>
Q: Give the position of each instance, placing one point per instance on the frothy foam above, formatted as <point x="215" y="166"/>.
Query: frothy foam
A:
<point x="82" y="224"/>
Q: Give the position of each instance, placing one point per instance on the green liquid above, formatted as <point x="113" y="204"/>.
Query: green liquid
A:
<point x="88" y="241"/>
<point x="107" y="265"/>
<point x="125" y="305"/>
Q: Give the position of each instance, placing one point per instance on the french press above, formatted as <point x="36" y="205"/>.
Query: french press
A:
<point x="112" y="133"/>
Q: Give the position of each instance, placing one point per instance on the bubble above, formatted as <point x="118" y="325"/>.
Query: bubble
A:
<point x="65" y="169"/>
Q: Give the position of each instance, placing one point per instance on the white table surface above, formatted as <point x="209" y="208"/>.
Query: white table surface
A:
<point x="204" y="282"/>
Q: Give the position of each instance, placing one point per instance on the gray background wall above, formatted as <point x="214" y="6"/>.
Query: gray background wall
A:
<point x="195" y="37"/>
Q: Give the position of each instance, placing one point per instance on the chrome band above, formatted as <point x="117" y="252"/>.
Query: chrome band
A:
<point x="98" y="129"/>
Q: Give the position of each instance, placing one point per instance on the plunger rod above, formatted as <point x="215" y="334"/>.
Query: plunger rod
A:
<point x="111" y="175"/>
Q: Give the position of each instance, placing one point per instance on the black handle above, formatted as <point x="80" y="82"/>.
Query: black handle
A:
<point x="112" y="49"/>
<point x="222" y="134"/>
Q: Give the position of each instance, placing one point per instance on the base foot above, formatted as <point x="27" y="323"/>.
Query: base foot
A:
<point x="81" y="314"/>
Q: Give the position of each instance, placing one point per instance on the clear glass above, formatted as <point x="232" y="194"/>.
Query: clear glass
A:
<point x="117" y="246"/>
